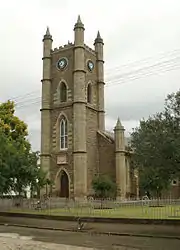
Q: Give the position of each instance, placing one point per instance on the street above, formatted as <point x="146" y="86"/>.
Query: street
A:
<point x="84" y="240"/>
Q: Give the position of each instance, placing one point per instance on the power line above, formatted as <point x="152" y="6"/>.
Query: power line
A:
<point x="137" y="74"/>
<point x="19" y="97"/>
<point x="116" y="82"/>
<point x="111" y="71"/>
<point x="38" y="100"/>
<point x="140" y="75"/>
<point x="145" y="60"/>
<point x="135" y="71"/>
<point x="145" y="75"/>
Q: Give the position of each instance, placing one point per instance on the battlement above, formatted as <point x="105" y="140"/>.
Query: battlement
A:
<point x="89" y="49"/>
<point x="64" y="47"/>
<point x="70" y="45"/>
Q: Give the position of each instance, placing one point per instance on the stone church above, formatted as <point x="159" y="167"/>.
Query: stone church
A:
<point x="75" y="147"/>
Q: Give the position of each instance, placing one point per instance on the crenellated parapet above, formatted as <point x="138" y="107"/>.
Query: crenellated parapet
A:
<point x="70" y="45"/>
<point x="89" y="49"/>
<point x="64" y="47"/>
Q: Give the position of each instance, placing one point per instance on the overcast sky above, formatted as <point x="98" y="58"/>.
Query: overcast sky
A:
<point x="146" y="32"/>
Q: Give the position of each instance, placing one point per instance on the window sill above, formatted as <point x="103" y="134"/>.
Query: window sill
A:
<point x="63" y="150"/>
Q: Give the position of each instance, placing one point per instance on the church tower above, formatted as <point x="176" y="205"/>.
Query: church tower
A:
<point x="72" y="113"/>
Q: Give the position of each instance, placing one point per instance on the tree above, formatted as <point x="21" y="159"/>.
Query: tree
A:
<point x="17" y="160"/>
<point x="6" y="154"/>
<point x="156" y="144"/>
<point x="12" y="126"/>
<point x="25" y="170"/>
<point x="40" y="181"/>
<point x="103" y="186"/>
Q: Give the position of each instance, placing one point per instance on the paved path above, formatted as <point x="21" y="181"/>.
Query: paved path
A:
<point x="42" y="238"/>
<point x="15" y="242"/>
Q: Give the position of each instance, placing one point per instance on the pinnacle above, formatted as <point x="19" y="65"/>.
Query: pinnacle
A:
<point x="98" y="38"/>
<point x="47" y="35"/>
<point x="118" y="124"/>
<point x="98" y="35"/>
<point x="47" y="31"/>
<point x="79" y="20"/>
<point x="79" y="23"/>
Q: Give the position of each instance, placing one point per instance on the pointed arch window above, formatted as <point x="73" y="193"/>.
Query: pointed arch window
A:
<point x="63" y="92"/>
<point x="89" y="92"/>
<point x="63" y="133"/>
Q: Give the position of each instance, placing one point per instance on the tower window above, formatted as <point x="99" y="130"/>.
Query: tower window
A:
<point x="63" y="92"/>
<point x="89" y="90"/>
<point x="63" y="133"/>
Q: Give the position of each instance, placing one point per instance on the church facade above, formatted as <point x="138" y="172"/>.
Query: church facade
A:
<point x="75" y="147"/>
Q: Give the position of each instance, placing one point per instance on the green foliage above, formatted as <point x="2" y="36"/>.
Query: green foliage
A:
<point x="12" y="126"/>
<point x="156" y="144"/>
<point x="6" y="153"/>
<point x="103" y="186"/>
<point x="40" y="181"/>
<point x="18" y="163"/>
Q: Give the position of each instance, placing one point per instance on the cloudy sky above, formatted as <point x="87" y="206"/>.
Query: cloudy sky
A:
<point x="142" y="53"/>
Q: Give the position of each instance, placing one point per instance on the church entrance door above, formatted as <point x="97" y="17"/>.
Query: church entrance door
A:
<point x="64" y="185"/>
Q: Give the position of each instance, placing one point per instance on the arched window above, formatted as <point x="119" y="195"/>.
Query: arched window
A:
<point x="63" y="92"/>
<point x="63" y="133"/>
<point x="89" y="93"/>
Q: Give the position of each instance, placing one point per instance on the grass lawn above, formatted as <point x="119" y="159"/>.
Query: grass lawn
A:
<point x="166" y="212"/>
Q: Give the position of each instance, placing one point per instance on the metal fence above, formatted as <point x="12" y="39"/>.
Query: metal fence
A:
<point x="150" y="209"/>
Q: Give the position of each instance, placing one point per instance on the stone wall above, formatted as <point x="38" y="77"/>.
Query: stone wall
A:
<point x="106" y="149"/>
